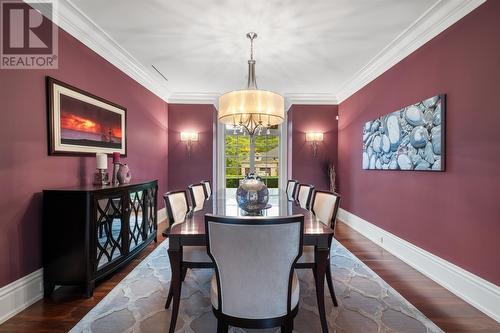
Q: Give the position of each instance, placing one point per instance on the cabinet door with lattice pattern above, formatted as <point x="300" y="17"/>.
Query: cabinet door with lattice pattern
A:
<point x="136" y="223"/>
<point x="151" y="211"/>
<point x="110" y="214"/>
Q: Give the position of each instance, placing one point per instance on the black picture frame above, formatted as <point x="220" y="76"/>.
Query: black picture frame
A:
<point x="58" y="145"/>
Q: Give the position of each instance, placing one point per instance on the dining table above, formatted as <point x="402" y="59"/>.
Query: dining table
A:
<point x="191" y="232"/>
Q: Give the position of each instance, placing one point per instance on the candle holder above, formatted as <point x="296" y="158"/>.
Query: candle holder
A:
<point x="101" y="177"/>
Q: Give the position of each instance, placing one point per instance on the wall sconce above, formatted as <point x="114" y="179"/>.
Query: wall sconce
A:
<point x="314" y="138"/>
<point x="189" y="137"/>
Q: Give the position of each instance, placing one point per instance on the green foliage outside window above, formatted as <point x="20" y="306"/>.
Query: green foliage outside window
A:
<point x="237" y="151"/>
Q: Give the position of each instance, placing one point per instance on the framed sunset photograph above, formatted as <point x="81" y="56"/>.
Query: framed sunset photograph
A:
<point x="80" y="123"/>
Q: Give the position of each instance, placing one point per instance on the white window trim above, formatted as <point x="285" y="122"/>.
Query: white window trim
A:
<point x="221" y="161"/>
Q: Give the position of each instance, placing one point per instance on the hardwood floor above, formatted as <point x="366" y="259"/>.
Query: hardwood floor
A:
<point x="68" y="305"/>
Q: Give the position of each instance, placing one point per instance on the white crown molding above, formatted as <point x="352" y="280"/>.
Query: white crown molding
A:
<point x="71" y="19"/>
<point x="292" y="98"/>
<point x="194" y="98"/>
<point x="309" y="99"/>
<point x="480" y="293"/>
<point x="434" y="21"/>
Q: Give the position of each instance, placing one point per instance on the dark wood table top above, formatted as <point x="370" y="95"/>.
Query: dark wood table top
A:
<point x="224" y="203"/>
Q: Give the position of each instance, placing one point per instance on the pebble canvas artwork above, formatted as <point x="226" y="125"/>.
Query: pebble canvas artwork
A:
<point x="409" y="139"/>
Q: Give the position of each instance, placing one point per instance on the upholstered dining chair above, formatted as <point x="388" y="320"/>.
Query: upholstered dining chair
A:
<point x="254" y="285"/>
<point x="176" y="203"/>
<point x="291" y="187"/>
<point x="208" y="188"/>
<point x="197" y="193"/>
<point x="304" y="195"/>
<point x="325" y="206"/>
<point x="177" y="206"/>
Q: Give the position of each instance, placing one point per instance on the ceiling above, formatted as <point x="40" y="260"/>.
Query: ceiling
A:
<point x="302" y="46"/>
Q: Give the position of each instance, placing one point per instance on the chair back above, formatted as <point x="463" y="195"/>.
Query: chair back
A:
<point x="197" y="193"/>
<point x="176" y="203"/>
<point x="208" y="188"/>
<point x="291" y="187"/>
<point x="254" y="263"/>
<point x="325" y="207"/>
<point x="304" y="195"/>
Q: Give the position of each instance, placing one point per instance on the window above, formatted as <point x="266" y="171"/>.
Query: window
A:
<point x="237" y="156"/>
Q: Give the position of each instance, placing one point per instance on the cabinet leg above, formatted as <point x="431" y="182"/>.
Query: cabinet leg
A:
<point x="48" y="288"/>
<point x="89" y="289"/>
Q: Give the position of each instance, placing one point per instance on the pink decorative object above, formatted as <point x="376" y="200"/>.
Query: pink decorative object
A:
<point x="116" y="158"/>
<point x="124" y="175"/>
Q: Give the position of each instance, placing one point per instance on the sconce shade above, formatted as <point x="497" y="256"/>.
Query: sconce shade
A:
<point x="314" y="136"/>
<point x="189" y="136"/>
<point x="253" y="107"/>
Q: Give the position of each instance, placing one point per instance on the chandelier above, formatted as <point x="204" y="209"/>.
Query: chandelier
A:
<point x="251" y="109"/>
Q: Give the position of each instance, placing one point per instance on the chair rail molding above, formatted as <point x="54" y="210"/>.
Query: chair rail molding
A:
<point x="435" y="20"/>
<point x="68" y="17"/>
<point x="473" y="289"/>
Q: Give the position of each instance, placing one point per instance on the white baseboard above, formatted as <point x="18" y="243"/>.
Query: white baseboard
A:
<point x="20" y="294"/>
<point x="478" y="292"/>
<point x="162" y="215"/>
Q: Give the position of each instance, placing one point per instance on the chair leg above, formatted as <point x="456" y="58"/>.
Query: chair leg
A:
<point x="330" y="284"/>
<point x="184" y="272"/>
<point x="169" y="297"/>
<point x="287" y="326"/>
<point x="222" y="327"/>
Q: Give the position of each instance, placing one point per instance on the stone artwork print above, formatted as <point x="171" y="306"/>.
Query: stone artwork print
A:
<point x="409" y="139"/>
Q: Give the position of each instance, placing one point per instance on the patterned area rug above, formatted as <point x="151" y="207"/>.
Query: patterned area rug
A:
<point x="366" y="302"/>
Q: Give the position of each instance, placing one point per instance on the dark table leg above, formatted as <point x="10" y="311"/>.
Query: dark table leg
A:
<point x="175" y="256"/>
<point x="321" y="259"/>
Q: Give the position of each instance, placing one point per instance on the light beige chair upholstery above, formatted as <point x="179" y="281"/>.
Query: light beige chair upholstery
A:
<point x="197" y="196"/>
<point x="295" y="291"/>
<point x="304" y="196"/>
<point x="208" y="188"/>
<point x="254" y="261"/>
<point x="177" y="206"/>
<point x="324" y="207"/>
<point x="290" y="188"/>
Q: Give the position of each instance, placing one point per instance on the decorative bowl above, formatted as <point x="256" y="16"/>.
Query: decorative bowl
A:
<point x="252" y="195"/>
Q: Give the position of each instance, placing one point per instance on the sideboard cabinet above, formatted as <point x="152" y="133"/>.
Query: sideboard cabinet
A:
<point x="89" y="232"/>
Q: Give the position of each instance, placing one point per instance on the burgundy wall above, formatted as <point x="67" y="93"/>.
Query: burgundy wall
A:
<point x="25" y="167"/>
<point x="183" y="171"/>
<point x="301" y="164"/>
<point x="454" y="214"/>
